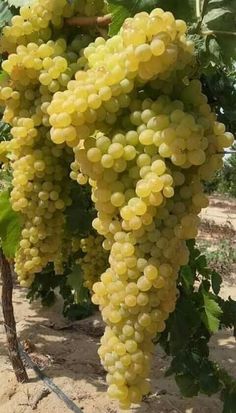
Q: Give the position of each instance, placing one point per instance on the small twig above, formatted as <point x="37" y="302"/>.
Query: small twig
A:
<point x="89" y="21"/>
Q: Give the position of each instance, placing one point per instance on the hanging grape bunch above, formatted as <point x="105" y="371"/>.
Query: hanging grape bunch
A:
<point x="129" y="119"/>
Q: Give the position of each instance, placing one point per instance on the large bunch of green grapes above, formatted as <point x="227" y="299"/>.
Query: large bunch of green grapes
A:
<point x="146" y="168"/>
<point x="144" y="158"/>
<point x="41" y="64"/>
<point x="38" y="21"/>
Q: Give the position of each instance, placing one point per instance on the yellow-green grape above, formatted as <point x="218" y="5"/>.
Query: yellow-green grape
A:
<point x="146" y="212"/>
<point x="95" y="259"/>
<point x="34" y="20"/>
<point x="40" y="193"/>
<point x="112" y="68"/>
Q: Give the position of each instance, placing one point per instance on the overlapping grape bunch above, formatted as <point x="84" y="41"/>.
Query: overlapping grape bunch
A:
<point x="145" y="159"/>
<point x="91" y="257"/>
<point x="39" y="65"/>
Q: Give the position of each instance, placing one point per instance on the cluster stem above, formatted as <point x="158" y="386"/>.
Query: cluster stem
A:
<point x="89" y="21"/>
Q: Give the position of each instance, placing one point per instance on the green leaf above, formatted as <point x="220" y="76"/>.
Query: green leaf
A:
<point x="19" y="3"/>
<point x="3" y="76"/>
<point x="121" y="9"/>
<point x="184" y="323"/>
<point x="208" y="379"/>
<point x="216" y="281"/>
<point x="75" y="279"/>
<point x="187" y="385"/>
<point x="211" y="312"/>
<point x="119" y="14"/>
<point x="210" y="19"/>
<point x="76" y="282"/>
<point x="219" y="20"/>
<point x="5" y="131"/>
<point x="80" y="214"/>
<point x="184" y="9"/>
<point x="229" y="401"/>
<point x="214" y="49"/>
<point x="5" y="14"/>
<point x="201" y="264"/>
<point x="187" y="277"/>
<point x="77" y="311"/>
<point x="228" y="318"/>
<point x="10" y="226"/>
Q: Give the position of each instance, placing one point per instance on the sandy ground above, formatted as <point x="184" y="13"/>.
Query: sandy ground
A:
<point x="69" y="352"/>
<point x="221" y="211"/>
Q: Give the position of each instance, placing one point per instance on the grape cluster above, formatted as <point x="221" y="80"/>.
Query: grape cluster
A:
<point x="145" y="168"/>
<point x="38" y="68"/>
<point x="134" y="56"/>
<point x="93" y="260"/>
<point x="37" y="22"/>
<point x="147" y="190"/>
<point x="145" y="159"/>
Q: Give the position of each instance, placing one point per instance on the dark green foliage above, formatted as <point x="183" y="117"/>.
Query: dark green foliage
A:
<point x="10" y="226"/>
<point x="80" y="214"/>
<point x="199" y="313"/>
<point x="224" y="181"/>
<point x="76" y="300"/>
<point x="5" y="13"/>
<point x="221" y="92"/>
<point x="221" y="258"/>
<point x="4" y="132"/>
<point x="76" y="297"/>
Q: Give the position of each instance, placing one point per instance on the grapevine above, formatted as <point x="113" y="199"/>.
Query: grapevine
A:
<point x="126" y="116"/>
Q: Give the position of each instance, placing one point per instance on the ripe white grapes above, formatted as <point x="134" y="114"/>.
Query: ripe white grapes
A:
<point x="145" y="159"/>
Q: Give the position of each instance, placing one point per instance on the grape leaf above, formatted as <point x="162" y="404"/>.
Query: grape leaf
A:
<point x="228" y="318"/>
<point x="119" y="14"/>
<point x="121" y="9"/>
<point x="19" y="3"/>
<point x="10" y="226"/>
<point x="5" y="14"/>
<point x="187" y="385"/>
<point x="187" y="277"/>
<point x="184" y="9"/>
<point x="211" y="312"/>
<point x="75" y="279"/>
<point x="215" y="14"/>
<point x="219" y="19"/>
<point x="216" y="281"/>
<point x="3" y="76"/>
<point x="208" y="379"/>
<point x="229" y="401"/>
<point x="76" y="282"/>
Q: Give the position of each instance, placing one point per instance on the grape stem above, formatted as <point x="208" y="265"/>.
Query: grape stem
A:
<point x="89" y="21"/>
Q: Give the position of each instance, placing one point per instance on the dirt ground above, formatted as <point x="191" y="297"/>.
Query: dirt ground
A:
<point x="68" y="352"/>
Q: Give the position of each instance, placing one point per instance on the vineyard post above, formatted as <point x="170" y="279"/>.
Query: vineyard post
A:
<point x="9" y="320"/>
